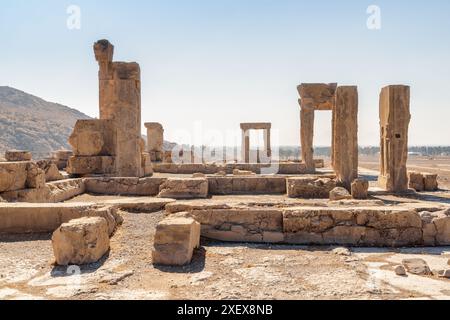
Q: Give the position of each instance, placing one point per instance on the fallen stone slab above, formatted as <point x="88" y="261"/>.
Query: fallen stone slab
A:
<point x="417" y="267"/>
<point x="175" y="241"/>
<point x="416" y="181"/>
<point x="430" y="182"/>
<point x="444" y="273"/>
<point x="182" y="188"/>
<point x="51" y="170"/>
<point x="400" y="271"/>
<point x="436" y="227"/>
<point x="81" y="241"/>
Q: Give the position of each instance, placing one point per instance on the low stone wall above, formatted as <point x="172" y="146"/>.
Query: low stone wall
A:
<point x="39" y="218"/>
<point x="229" y="185"/>
<point x="258" y="168"/>
<point x="361" y="226"/>
<point x="52" y="192"/>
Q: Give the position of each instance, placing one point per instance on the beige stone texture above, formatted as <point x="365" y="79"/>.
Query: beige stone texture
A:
<point x="307" y="138"/>
<point x="91" y="165"/>
<point x="416" y="181"/>
<point x="94" y="138"/>
<point x="147" y="164"/>
<point x="124" y="186"/>
<point x="310" y="187"/>
<point x="417" y="267"/>
<point x="394" y="122"/>
<point x="51" y="170"/>
<point x="155" y="138"/>
<point x="47" y="217"/>
<point x="184" y="188"/>
<point x="345" y="135"/>
<point x="431" y="182"/>
<point x="35" y="176"/>
<point x="81" y="241"/>
<point x="340" y="193"/>
<point x="319" y="96"/>
<point x="360" y="189"/>
<point x="436" y="228"/>
<point x="175" y="241"/>
<point x="237" y="172"/>
<point x="17" y="155"/>
<point x="13" y="175"/>
<point x="229" y="185"/>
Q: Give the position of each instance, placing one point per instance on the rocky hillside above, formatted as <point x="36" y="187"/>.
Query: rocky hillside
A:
<point x="31" y="123"/>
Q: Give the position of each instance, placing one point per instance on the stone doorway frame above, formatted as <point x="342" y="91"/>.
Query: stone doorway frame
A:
<point x="246" y="128"/>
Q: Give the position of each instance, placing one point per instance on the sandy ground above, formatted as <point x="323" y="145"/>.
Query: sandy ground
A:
<point x="219" y="271"/>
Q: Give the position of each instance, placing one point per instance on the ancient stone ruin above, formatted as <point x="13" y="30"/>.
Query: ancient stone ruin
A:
<point x="303" y="202"/>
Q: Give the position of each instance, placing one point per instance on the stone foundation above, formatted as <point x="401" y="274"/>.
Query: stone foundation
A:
<point x="310" y="187"/>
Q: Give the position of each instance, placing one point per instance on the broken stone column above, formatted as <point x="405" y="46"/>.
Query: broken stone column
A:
<point x="155" y="140"/>
<point x="120" y="100"/>
<point x="394" y="122"/>
<point x="345" y="146"/>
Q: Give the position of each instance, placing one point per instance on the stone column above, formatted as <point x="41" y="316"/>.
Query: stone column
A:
<point x="307" y="136"/>
<point x="345" y="135"/>
<point x="267" y="145"/>
<point x="120" y="100"/>
<point x="246" y="146"/>
<point x="394" y="124"/>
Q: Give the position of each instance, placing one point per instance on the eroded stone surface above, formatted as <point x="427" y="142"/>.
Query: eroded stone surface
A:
<point x="310" y="188"/>
<point x="183" y="188"/>
<point x="175" y="241"/>
<point x="81" y="241"/>
<point x="18" y="155"/>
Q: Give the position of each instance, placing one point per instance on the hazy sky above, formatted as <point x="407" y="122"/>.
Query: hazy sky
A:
<point x="208" y="65"/>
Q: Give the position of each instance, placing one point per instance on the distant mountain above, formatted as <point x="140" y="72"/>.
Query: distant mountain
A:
<point x="31" y="123"/>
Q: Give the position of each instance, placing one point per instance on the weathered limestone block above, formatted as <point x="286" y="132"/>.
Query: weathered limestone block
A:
<point x="35" y="176"/>
<point x="307" y="138"/>
<point x="416" y="181"/>
<point x="124" y="186"/>
<point x="17" y="155"/>
<point x="431" y="182"/>
<point x="360" y="189"/>
<point x="179" y="188"/>
<point x="155" y="137"/>
<point x="436" y="228"/>
<point x="310" y="188"/>
<point x="394" y="122"/>
<point x="175" y="241"/>
<point x="13" y="175"/>
<point x="147" y="164"/>
<point x="61" y="157"/>
<point x="320" y="96"/>
<point x="81" y="241"/>
<point x="340" y="193"/>
<point x="345" y="135"/>
<point x="94" y="138"/>
<point x="91" y="165"/>
<point x="51" y="170"/>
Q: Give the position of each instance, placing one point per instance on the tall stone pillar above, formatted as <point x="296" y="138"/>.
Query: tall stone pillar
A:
<point x="155" y="140"/>
<point x="267" y="145"/>
<point x="245" y="146"/>
<point x="394" y="124"/>
<point x="307" y="137"/>
<point x="345" y="135"/>
<point x="120" y="100"/>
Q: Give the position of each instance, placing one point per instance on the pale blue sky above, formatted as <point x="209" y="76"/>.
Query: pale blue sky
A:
<point x="213" y="64"/>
